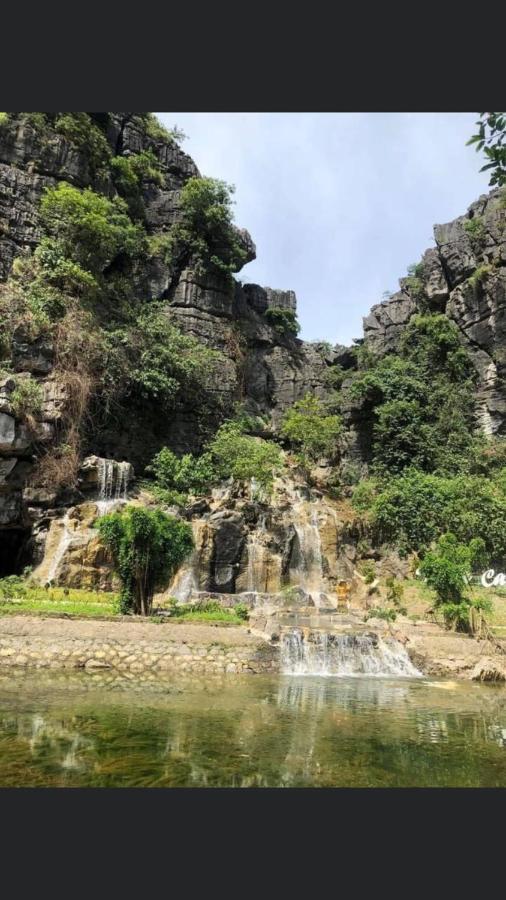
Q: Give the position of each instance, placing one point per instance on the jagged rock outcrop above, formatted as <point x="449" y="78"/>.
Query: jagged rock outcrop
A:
<point x="464" y="276"/>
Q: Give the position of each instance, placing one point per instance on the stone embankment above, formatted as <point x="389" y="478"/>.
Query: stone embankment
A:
<point x="137" y="647"/>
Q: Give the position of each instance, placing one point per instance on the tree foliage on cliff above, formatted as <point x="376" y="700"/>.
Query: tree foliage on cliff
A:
<point x="417" y="405"/>
<point x="311" y="429"/>
<point x="232" y="453"/>
<point x="147" y="547"/>
<point x="150" y="359"/>
<point x="206" y="230"/>
<point x="491" y="139"/>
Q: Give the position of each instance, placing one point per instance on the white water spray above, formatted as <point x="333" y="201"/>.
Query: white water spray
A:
<point x="113" y="484"/>
<point x="305" y="652"/>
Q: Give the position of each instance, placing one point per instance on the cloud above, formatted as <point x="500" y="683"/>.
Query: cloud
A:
<point x="338" y="204"/>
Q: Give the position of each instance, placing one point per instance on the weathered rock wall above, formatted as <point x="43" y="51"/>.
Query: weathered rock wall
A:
<point x="264" y="370"/>
<point x="464" y="276"/>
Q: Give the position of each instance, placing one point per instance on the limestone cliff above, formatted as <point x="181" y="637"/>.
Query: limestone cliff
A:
<point x="464" y="276"/>
<point x="242" y="544"/>
<point x="261" y="368"/>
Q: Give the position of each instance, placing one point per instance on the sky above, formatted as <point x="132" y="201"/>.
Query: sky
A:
<point x="338" y="204"/>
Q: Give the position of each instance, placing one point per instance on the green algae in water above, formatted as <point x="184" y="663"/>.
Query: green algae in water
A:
<point x="105" y="730"/>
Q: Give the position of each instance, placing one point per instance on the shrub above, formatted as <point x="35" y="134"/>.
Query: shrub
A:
<point x="147" y="547"/>
<point x="129" y="172"/>
<point x="368" y="571"/>
<point x="26" y="398"/>
<point x="80" y="128"/>
<point x="480" y="274"/>
<point x="4" y="118"/>
<point x="12" y="587"/>
<point x="475" y="228"/>
<point x="446" y="570"/>
<point x="283" y="321"/>
<point x="241" y="611"/>
<point x="240" y="456"/>
<point x="157" y="131"/>
<point x="206" y="229"/>
<point x="414" y="281"/>
<point x="395" y="592"/>
<point x="91" y="230"/>
<point x="310" y="428"/>
<point x="176" y="477"/>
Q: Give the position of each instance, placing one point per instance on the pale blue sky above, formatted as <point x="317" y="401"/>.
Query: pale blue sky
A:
<point x="338" y="204"/>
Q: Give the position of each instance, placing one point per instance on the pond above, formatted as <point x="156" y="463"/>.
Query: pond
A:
<point x="102" y="730"/>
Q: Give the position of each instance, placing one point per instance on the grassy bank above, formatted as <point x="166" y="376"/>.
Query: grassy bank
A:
<point x="19" y="595"/>
<point x="39" y="601"/>
<point x="418" y="599"/>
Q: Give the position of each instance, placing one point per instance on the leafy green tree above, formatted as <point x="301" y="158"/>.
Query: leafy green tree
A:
<point x="147" y="547"/>
<point x="206" y="229"/>
<point x="308" y="425"/>
<point x="447" y="570"/>
<point x="417" y="405"/>
<point x="88" y="228"/>
<point x="152" y="360"/>
<point x="243" y="457"/>
<point x="491" y="139"/>
<point x="414" y="509"/>
<point x="176" y="477"/>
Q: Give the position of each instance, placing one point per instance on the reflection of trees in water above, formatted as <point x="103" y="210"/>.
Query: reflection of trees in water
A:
<point x="257" y="732"/>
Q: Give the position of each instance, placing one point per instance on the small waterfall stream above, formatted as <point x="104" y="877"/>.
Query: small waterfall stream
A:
<point x="113" y="484"/>
<point x="305" y="652"/>
<point x="63" y="545"/>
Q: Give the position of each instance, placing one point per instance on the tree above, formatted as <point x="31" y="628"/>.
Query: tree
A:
<point x="446" y="570"/>
<point x="206" y="228"/>
<point x="491" y="138"/>
<point x="308" y="425"/>
<point x="147" y="547"/>
<point x="88" y="228"/>
<point x="242" y="456"/>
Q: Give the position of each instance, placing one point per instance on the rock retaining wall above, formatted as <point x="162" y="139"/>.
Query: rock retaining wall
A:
<point x="56" y="644"/>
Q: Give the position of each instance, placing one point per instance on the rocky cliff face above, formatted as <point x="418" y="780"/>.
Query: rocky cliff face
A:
<point x="262" y="369"/>
<point x="241" y="543"/>
<point x="464" y="276"/>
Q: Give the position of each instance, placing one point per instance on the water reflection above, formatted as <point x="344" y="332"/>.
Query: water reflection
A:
<point x="59" y="729"/>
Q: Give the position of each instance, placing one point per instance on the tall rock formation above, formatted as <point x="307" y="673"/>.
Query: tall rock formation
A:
<point x="261" y="368"/>
<point x="464" y="276"/>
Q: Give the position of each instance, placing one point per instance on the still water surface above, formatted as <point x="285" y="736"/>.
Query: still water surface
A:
<point x="97" y="730"/>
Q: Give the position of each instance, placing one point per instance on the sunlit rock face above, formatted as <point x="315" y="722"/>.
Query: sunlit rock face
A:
<point x="295" y="544"/>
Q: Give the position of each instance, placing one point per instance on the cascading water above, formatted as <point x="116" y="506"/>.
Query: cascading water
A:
<point x="308" y="571"/>
<point x="256" y="570"/>
<point x="63" y="545"/>
<point x="113" y="484"/>
<point x="305" y="652"/>
<point x="186" y="580"/>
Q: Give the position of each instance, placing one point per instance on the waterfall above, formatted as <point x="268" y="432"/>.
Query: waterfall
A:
<point x="113" y="478"/>
<point x="305" y="652"/>
<point x="308" y="570"/>
<point x="63" y="545"/>
<point x="186" y="580"/>
<point x="256" y="570"/>
<point x="122" y="478"/>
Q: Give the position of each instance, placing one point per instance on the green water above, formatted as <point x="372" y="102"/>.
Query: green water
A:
<point x="252" y="731"/>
